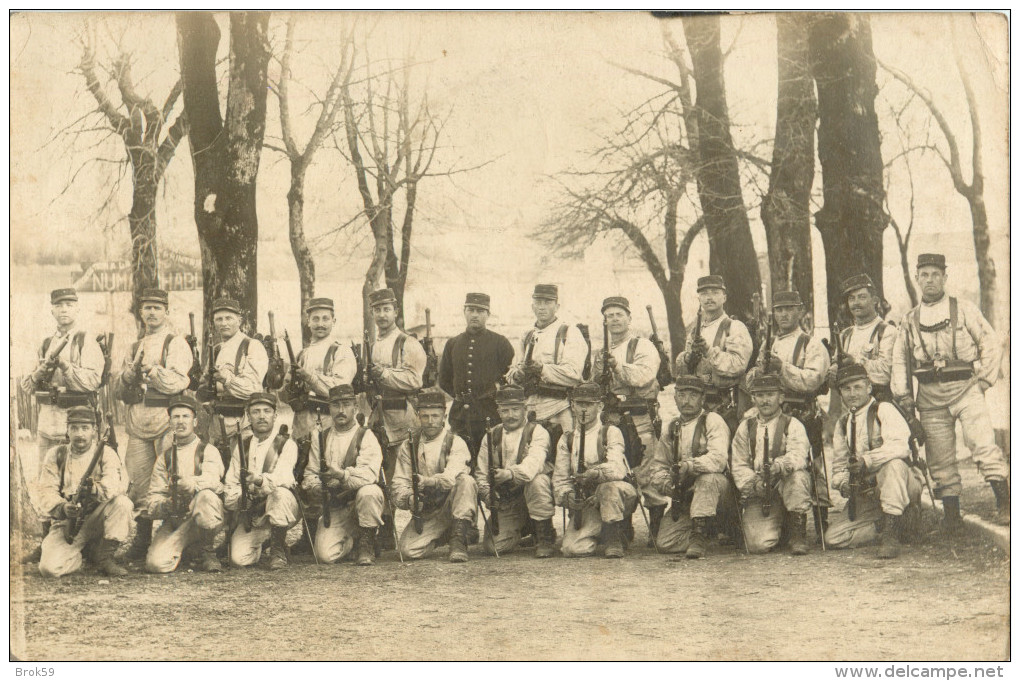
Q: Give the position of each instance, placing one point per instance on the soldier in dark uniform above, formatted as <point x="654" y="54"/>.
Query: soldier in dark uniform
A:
<point x="473" y="364"/>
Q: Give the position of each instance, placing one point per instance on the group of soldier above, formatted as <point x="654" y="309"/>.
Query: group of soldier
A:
<point x="507" y="436"/>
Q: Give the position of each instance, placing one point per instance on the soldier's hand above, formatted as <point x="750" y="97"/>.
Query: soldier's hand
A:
<point x="682" y="469"/>
<point x="187" y="483"/>
<point x="503" y="476"/>
<point x="572" y="503"/>
<point x="775" y="362"/>
<point x="760" y="489"/>
<point x="858" y="467"/>
<point x="907" y="404"/>
<point x="784" y="468"/>
<point x="612" y="363"/>
<point x="746" y="492"/>
<point x="533" y="369"/>
<point x="70" y="510"/>
<point x="590" y="477"/>
<point x="833" y="369"/>
<point x="700" y="346"/>
<point x="377" y="372"/>
<point x="844" y="490"/>
<point x="224" y="374"/>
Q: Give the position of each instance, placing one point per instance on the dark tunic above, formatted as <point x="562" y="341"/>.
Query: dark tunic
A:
<point x="471" y="367"/>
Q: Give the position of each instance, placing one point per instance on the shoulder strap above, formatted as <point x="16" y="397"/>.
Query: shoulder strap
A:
<point x="876" y="335"/>
<point x="199" y="457"/>
<point x="601" y="442"/>
<point x="166" y="349"/>
<point x="632" y="349"/>
<point x="779" y="437"/>
<point x="78" y="344"/>
<point x="242" y="351"/>
<point x="752" y="436"/>
<point x="561" y="339"/>
<point x="528" y="337"/>
<point x="522" y="446"/>
<point x="398" y="349"/>
<point x="444" y="451"/>
<point x="327" y="362"/>
<point x="722" y="332"/>
<point x="46" y="345"/>
<point x="874" y="425"/>
<point x="954" y="316"/>
<point x="497" y="441"/>
<point x="354" y="448"/>
<point x="61" y="467"/>
<point x="699" y="434"/>
<point x="844" y="337"/>
<point x="799" y="356"/>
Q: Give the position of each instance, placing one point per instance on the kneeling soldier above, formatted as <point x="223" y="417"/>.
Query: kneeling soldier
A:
<point x="187" y="480"/>
<point x="433" y="480"/>
<point x="81" y="485"/>
<point x="523" y="489"/>
<point x="266" y="507"/>
<point x="590" y="479"/>
<point x="687" y="466"/>
<point x="770" y="464"/>
<point x="353" y="499"/>
<point x="870" y="468"/>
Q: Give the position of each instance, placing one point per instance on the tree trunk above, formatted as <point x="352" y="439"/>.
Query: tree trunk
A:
<point x="785" y="211"/>
<point x="674" y="317"/>
<point x="851" y="220"/>
<point x="299" y="245"/>
<point x="729" y="233"/>
<point x="226" y="152"/>
<point x="142" y="225"/>
<point x="985" y="263"/>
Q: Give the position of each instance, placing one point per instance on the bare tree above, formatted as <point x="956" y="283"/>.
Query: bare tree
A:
<point x="786" y="211"/>
<point x="635" y="190"/>
<point x="150" y="136"/>
<point x="226" y="151"/>
<point x="852" y="219"/>
<point x="973" y="191"/>
<point x="300" y="157"/>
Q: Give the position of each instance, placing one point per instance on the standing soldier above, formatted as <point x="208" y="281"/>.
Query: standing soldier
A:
<point x="803" y="365"/>
<point x="591" y="479"/>
<point x="63" y="379"/>
<point x="551" y="362"/>
<point x="433" y="481"/>
<point x="717" y="352"/>
<point x="81" y="484"/>
<point x="473" y="364"/>
<point x="523" y="487"/>
<point x="155" y="371"/>
<point x="319" y="368"/>
<point x="265" y="507"/>
<point x="397" y="364"/>
<point x="870" y="468"/>
<point x="869" y="342"/>
<point x="770" y="470"/>
<point x="187" y="481"/>
<point x="687" y="466"/>
<point x="240" y="366"/>
<point x="954" y="353"/>
<point x="352" y="497"/>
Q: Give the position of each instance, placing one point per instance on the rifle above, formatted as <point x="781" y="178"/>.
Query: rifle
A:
<point x="177" y="514"/>
<point x="693" y="356"/>
<point x="133" y="393"/>
<point x="664" y="375"/>
<point x="296" y="388"/>
<point x="578" y="491"/>
<point x="493" y="496"/>
<point x="371" y="389"/>
<point x="84" y="497"/>
<point x="766" y="475"/>
<point x="419" y="522"/>
<point x="389" y="504"/>
<point x="840" y="355"/>
<point x="195" y="372"/>
<point x="322" y="470"/>
<point x="49" y="366"/>
<point x="764" y="332"/>
<point x="207" y="391"/>
<point x="610" y="401"/>
<point x="431" y="374"/>
<point x="244" y="505"/>
<point x="677" y="496"/>
<point x="854" y="481"/>
<point x="277" y="372"/>
<point x="530" y="383"/>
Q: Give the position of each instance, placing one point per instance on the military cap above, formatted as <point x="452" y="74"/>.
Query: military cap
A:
<point x="431" y="399"/>
<point x="477" y="300"/>
<point x="154" y="295"/>
<point x="616" y="301"/>
<point x="182" y="400"/>
<point x="228" y="304"/>
<point x="319" y="304"/>
<point x="262" y="398"/>
<point x="765" y="383"/>
<point x="382" y="297"/>
<point x="711" y="281"/>
<point x="851" y="284"/>
<point x="81" y="415"/>
<point x="510" y="395"/>
<point x="546" y="292"/>
<point x="931" y="260"/>
<point x="339" y="393"/>
<point x="786" y="299"/>
<point x="587" y="392"/>
<point x="849" y="373"/>
<point x="689" y="383"/>
<point x="61" y="294"/>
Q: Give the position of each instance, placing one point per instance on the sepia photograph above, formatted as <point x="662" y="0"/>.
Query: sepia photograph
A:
<point x="510" y="336"/>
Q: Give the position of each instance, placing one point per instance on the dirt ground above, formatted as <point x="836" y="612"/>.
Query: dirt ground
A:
<point x="939" y="600"/>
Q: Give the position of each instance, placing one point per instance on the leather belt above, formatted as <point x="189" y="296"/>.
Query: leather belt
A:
<point x="156" y="399"/>
<point x="229" y="407"/>
<point x="549" y="391"/>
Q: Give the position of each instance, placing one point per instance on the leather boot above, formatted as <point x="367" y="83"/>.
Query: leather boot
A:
<point x="698" y="546"/>
<point x="911" y="524"/>
<point x="366" y="546"/>
<point x="546" y="538"/>
<point x="655" y="514"/>
<point x="798" y="533"/>
<point x="627" y="528"/>
<point x="613" y="535"/>
<point x="208" y="562"/>
<point x="458" y="540"/>
<point x="143" y="537"/>
<point x="952" y="522"/>
<point x="107" y="564"/>
<point x="1001" y="489"/>
<point x="278" y="549"/>
<point x="889" y="543"/>
<point x="386" y="542"/>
